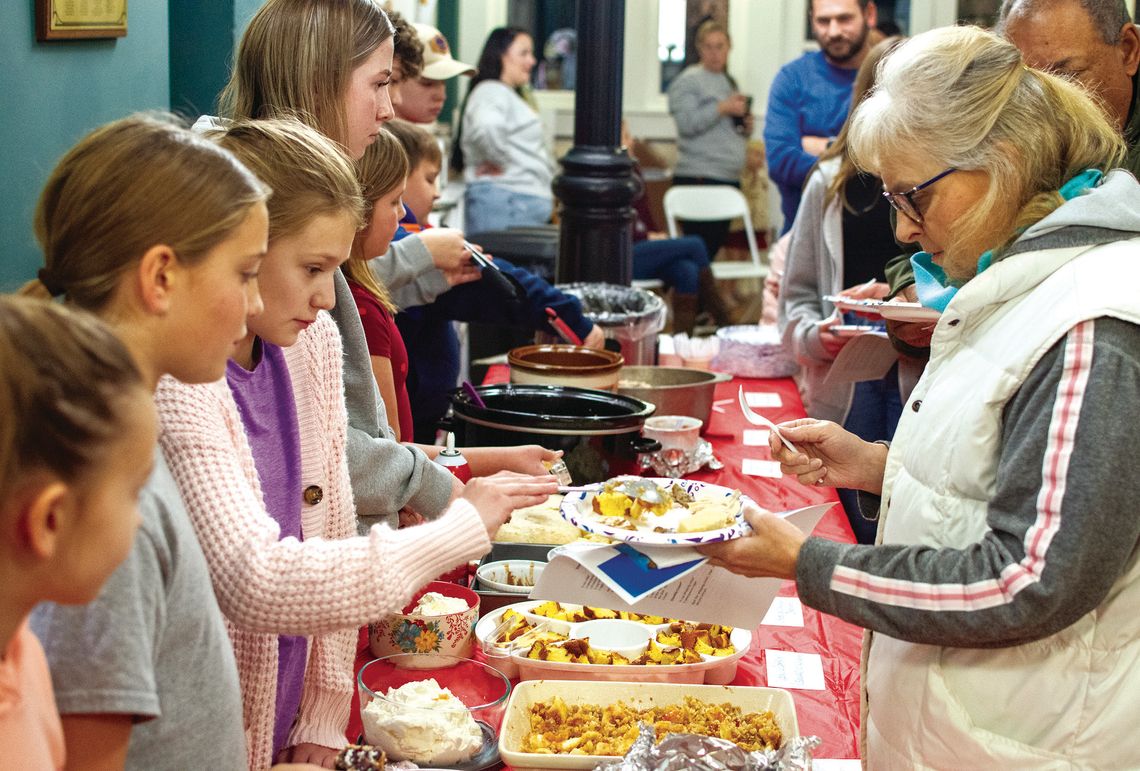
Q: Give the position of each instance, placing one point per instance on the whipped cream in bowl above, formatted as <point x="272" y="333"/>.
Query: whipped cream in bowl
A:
<point x="433" y="709"/>
<point x="439" y="619"/>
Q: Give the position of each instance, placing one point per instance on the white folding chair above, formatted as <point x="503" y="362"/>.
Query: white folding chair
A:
<point x="704" y="203"/>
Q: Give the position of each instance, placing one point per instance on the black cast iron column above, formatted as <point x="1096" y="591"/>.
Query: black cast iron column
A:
<point x="596" y="185"/>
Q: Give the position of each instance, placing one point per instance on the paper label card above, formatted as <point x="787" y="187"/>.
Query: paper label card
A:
<point x="829" y="764"/>
<point x="756" y="437"/>
<point x="761" y="468"/>
<point x="794" y="670"/>
<point x="785" y="611"/>
<point x="762" y="399"/>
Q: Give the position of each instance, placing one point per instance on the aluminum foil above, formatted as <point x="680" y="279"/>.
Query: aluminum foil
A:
<point x="691" y="752"/>
<point x="676" y="463"/>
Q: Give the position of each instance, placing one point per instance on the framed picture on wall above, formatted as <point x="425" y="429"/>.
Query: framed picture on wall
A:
<point x="80" y="19"/>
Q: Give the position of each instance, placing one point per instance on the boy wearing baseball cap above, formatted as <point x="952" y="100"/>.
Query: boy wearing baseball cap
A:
<point x="421" y="98"/>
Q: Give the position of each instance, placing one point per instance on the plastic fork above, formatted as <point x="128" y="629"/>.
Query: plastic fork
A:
<point x="757" y="419"/>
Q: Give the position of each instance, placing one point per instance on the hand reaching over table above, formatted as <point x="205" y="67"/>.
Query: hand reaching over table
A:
<point x="522" y="459"/>
<point x="829" y="454"/>
<point x="495" y="497"/>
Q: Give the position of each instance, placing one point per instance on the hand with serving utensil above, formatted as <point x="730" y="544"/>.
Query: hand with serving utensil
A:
<point x="827" y="454"/>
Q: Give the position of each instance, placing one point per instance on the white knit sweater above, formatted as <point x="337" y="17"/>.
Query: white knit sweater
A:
<point x="326" y="586"/>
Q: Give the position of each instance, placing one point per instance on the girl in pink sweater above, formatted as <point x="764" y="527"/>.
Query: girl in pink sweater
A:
<point x="75" y="450"/>
<point x="260" y="460"/>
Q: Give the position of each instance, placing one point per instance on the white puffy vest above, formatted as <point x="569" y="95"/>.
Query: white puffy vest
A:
<point x="1071" y="700"/>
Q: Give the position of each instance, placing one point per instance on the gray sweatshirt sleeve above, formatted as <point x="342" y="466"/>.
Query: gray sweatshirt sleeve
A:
<point x="409" y="273"/>
<point x="1000" y="592"/>
<point x="802" y="308"/>
<point x="386" y="475"/>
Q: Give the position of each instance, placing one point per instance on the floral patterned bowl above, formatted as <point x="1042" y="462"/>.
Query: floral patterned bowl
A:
<point x="451" y="634"/>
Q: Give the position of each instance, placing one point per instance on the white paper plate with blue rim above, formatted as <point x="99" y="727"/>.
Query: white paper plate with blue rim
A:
<point x="577" y="509"/>
<point x="894" y="311"/>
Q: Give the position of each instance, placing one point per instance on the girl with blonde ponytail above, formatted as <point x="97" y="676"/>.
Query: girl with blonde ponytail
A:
<point x="161" y="233"/>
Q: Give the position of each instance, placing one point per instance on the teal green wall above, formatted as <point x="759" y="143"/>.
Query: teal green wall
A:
<point x="201" y="47"/>
<point x="51" y="94"/>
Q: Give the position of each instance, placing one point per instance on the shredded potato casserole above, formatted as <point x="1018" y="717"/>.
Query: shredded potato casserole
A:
<point x="557" y="728"/>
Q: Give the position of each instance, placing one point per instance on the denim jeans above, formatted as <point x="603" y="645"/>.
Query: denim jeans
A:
<point x="488" y="207"/>
<point x="675" y="261"/>
<point x="875" y="410"/>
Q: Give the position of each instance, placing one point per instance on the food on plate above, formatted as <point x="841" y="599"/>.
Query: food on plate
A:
<point x="421" y="722"/>
<point x="705" y="639"/>
<point x="631" y="498"/>
<point x="642" y="504"/>
<point x="436" y="604"/>
<point x="579" y="613"/>
<point x="360" y="757"/>
<point x="557" y="728"/>
<point x="681" y="642"/>
<point x="579" y="651"/>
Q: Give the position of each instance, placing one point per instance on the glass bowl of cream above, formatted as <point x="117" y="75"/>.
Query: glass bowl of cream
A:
<point x="433" y="709"/>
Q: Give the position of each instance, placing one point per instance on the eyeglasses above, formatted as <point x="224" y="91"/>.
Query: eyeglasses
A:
<point x="904" y="202"/>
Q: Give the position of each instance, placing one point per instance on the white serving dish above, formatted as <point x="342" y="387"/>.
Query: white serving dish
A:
<point x="493" y="575"/>
<point x="716" y="670"/>
<point x="516" y="720"/>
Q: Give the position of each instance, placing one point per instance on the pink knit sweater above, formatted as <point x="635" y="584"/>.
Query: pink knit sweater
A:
<point x="327" y="586"/>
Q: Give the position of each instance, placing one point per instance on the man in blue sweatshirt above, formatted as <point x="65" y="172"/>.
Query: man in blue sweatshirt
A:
<point x="811" y="95"/>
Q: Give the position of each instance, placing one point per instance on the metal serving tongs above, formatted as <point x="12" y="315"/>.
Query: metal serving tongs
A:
<point x="757" y="419"/>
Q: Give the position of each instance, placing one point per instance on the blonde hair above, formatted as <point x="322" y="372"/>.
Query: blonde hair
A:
<point x="382" y="169"/>
<point x="709" y="27"/>
<point x="418" y="142"/>
<point x="864" y="82"/>
<point x="309" y="173"/>
<point x="127" y="186"/>
<point x="63" y="387"/>
<point x="296" y="59"/>
<point x="962" y="97"/>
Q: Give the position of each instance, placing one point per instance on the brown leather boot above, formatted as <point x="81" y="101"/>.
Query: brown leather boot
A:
<point x="684" y="312"/>
<point x="711" y="300"/>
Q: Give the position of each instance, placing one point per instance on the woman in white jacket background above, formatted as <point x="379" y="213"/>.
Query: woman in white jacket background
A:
<point x="1001" y="598"/>
<point x="501" y="145"/>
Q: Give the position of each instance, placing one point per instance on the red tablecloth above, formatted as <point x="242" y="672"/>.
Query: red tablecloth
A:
<point x="831" y="714"/>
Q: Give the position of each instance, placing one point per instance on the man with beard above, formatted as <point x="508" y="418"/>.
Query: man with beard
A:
<point x="811" y="95"/>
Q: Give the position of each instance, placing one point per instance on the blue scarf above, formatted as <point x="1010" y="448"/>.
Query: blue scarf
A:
<point x="936" y="291"/>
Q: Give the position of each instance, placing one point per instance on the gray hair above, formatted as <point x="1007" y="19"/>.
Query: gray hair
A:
<point x="1108" y="16"/>
<point x="961" y="97"/>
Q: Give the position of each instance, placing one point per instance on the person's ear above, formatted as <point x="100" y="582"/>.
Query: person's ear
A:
<point x="159" y="272"/>
<point x="41" y="518"/>
<point x="871" y="14"/>
<point x="1130" y="48"/>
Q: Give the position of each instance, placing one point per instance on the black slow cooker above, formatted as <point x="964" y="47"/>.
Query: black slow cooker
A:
<point x="599" y="432"/>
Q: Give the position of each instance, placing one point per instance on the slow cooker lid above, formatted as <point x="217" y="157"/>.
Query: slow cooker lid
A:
<point x="552" y="407"/>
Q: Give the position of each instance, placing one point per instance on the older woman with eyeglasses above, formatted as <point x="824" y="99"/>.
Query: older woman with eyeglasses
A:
<point x="1001" y="600"/>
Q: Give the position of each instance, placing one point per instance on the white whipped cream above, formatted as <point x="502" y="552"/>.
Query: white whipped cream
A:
<point x="436" y="604"/>
<point x="423" y="723"/>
